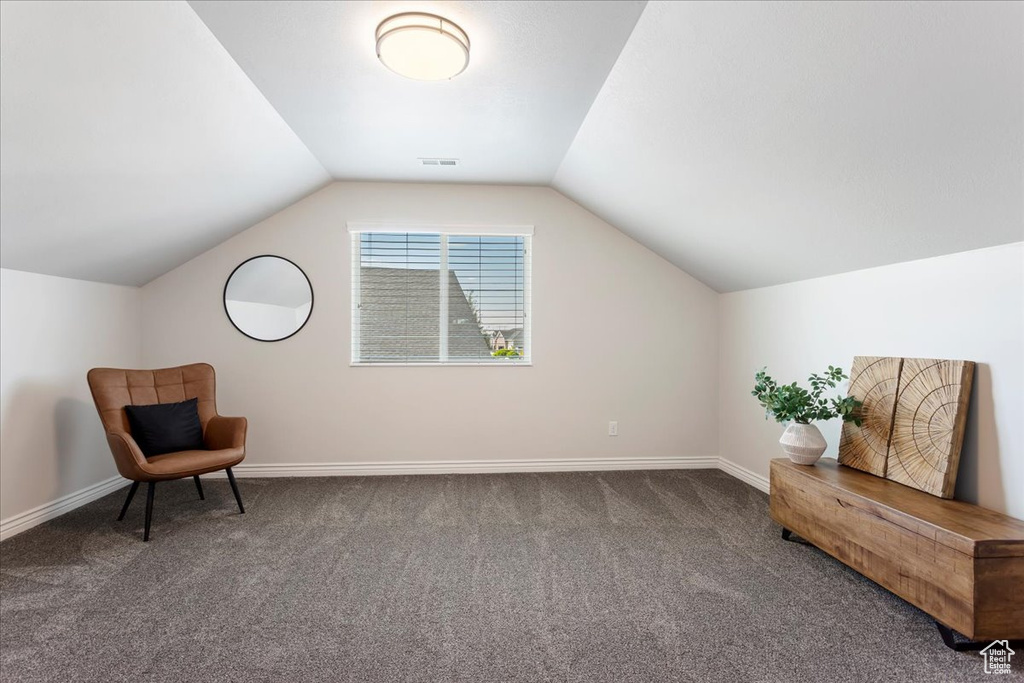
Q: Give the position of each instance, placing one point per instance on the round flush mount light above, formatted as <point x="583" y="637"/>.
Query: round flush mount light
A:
<point x="422" y="46"/>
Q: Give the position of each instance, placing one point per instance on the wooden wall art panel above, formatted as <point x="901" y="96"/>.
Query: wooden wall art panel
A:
<point x="928" y="427"/>
<point x="875" y="381"/>
<point x="912" y="420"/>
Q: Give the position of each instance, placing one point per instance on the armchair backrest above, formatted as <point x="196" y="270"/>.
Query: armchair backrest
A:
<point x="114" y="388"/>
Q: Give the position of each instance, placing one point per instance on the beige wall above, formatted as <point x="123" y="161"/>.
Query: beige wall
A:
<point x="968" y="306"/>
<point x="673" y="363"/>
<point x="653" y="369"/>
<point x="52" y="330"/>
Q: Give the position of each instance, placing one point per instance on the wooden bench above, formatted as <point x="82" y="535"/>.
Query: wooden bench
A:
<point x="960" y="563"/>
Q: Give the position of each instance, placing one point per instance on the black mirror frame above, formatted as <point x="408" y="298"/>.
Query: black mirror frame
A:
<point x="224" y="298"/>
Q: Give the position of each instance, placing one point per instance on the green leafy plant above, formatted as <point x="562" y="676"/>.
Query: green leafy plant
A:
<point x="507" y="352"/>
<point x="793" y="403"/>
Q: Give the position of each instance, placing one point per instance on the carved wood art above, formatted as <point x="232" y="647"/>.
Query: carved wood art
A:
<point x="875" y="381"/>
<point x="928" y="427"/>
<point x="913" y="420"/>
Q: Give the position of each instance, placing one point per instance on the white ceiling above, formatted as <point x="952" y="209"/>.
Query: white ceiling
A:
<point x="535" y="68"/>
<point x="748" y="143"/>
<point x="759" y="143"/>
<point x="130" y="141"/>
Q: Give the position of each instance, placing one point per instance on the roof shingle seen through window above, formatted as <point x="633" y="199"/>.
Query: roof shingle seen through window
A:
<point x="399" y="317"/>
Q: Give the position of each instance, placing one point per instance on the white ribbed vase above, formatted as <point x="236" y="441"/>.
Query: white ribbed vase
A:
<point x="804" y="444"/>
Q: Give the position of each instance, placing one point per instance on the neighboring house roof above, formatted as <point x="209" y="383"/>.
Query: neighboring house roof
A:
<point x="514" y="335"/>
<point x="399" y="317"/>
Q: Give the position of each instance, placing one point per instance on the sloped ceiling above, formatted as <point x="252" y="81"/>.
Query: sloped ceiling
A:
<point x="130" y="141"/>
<point x="534" y="71"/>
<point x="748" y="143"/>
<point x="759" y="143"/>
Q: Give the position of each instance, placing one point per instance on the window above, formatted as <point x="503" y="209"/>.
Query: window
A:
<point x="436" y="296"/>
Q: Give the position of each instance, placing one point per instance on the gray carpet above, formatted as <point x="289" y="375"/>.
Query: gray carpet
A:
<point x="590" y="577"/>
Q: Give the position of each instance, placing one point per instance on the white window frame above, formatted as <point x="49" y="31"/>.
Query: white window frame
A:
<point x="355" y="229"/>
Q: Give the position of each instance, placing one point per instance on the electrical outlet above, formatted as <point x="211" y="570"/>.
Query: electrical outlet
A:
<point x="613" y="428"/>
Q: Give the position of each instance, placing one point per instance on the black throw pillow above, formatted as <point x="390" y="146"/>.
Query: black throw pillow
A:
<point x="166" y="427"/>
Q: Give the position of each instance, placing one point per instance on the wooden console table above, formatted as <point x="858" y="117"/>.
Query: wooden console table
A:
<point x="960" y="563"/>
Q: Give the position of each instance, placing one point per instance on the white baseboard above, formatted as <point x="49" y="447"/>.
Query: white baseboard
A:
<point x="15" y="524"/>
<point x="744" y="475"/>
<point x="363" y="469"/>
<point x="26" y="520"/>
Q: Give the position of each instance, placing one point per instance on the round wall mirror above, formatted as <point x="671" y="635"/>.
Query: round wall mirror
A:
<point x="268" y="298"/>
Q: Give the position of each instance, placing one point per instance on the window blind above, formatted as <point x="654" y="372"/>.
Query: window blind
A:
<point x="435" y="298"/>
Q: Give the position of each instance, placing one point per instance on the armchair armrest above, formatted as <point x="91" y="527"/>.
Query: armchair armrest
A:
<point x="225" y="432"/>
<point x="128" y="457"/>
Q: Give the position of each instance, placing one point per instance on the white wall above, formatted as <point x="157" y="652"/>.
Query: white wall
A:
<point x="966" y="306"/>
<point x="52" y="330"/>
<point x="652" y="367"/>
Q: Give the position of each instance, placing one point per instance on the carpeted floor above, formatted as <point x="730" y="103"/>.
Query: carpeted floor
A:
<point x="590" y="577"/>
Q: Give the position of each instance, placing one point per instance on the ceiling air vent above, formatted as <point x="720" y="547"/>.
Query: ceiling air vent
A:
<point x="439" y="162"/>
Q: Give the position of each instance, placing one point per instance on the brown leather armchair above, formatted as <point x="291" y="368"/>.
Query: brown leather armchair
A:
<point x="224" y="437"/>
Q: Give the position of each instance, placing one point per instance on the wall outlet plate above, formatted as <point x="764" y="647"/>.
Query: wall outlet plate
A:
<point x="613" y="428"/>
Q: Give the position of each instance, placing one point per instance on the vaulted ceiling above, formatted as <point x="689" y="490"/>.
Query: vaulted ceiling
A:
<point x="130" y="141"/>
<point x="759" y="143"/>
<point x="509" y="118"/>
<point x="748" y="143"/>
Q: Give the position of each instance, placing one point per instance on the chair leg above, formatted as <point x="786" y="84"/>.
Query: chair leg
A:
<point x="149" y="509"/>
<point x="199" y="487"/>
<point x="128" y="500"/>
<point x="234" y="487"/>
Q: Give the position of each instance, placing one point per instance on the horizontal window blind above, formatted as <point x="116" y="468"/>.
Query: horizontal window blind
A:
<point x="435" y="298"/>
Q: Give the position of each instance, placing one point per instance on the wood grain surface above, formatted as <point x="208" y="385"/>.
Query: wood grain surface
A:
<point x="874" y="380"/>
<point x="928" y="424"/>
<point x="958" y="562"/>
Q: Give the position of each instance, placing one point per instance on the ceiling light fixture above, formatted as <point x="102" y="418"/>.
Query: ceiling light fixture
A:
<point x="422" y="46"/>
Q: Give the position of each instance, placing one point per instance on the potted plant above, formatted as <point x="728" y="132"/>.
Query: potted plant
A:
<point x="789" y="403"/>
